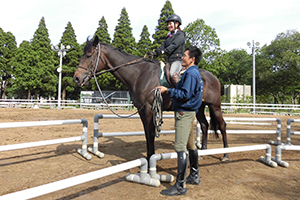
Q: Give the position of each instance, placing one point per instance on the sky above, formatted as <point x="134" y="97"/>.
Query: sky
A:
<point x="236" y="22"/>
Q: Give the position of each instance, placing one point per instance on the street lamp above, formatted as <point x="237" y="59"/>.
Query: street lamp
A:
<point x="61" y="53"/>
<point x="253" y="53"/>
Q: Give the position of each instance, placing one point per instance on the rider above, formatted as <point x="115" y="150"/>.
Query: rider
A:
<point x="172" y="46"/>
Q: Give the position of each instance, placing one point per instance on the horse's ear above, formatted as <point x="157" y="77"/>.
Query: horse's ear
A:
<point x="96" y="41"/>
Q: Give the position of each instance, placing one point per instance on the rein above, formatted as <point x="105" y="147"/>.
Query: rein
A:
<point x="157" y="101"/>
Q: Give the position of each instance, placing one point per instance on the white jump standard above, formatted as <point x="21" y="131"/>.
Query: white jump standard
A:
<point x="97" y="134"/>
<point x="169" y="178"/>
<point x="83" y="137"/>
<point x="288" y="145"/>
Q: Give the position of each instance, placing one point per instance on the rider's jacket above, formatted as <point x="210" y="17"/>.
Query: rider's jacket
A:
<point x="173" y="46"/>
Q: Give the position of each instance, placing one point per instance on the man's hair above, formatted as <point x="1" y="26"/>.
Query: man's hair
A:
<point x="195" y="52"/>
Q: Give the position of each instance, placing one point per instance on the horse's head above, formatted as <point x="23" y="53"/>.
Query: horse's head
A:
<point x="90" y="62"/>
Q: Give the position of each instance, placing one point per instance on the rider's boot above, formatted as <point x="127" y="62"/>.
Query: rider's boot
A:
<point x="193" y="178"/>
<point x="174" y="79"/>
<point x="179" y="188"/>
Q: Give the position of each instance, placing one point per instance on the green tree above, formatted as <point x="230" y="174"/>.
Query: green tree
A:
<point x="123" y="37"/>
<point x="44" y="70"/>
<point x="161" y="29"/>
<point x="24" y="71"/>
<point x="283" y="69"/>
<point x="7" y="52"/>
<point x="70" y="63"/>
<point x="144" y="43"/>
<point x="204" y="37"/>
<point x="102" y="31"/>
<point x="237" y="68"/>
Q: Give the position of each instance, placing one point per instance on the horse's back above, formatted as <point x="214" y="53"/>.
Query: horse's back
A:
<point x="211" y="88"/>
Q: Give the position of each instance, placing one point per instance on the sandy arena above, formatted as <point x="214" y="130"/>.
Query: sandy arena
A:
<point x="244" y="177"/>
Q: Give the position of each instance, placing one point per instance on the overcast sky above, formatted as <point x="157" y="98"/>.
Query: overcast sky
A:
<point x="236" y="22"/>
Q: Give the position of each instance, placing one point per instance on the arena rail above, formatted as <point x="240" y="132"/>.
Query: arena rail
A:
<point x="83" y="137"/>
<point x="143" y="178"/>
<point x="97" y="134"/>
<point x="247" y="120"/>
<point x="169" y="178"/>
<point x="288" y="145"/>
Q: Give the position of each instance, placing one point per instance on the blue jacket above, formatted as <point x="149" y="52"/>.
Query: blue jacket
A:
<point x="187" y="96"/>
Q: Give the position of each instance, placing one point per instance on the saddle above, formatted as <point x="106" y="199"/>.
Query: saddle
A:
<point x="165" y="76"/>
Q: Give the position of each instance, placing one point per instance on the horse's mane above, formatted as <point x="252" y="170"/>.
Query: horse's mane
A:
<point x="89" y="44"/>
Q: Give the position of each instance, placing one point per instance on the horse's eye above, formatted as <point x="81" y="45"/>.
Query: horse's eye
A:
<point x="88" y="55"/>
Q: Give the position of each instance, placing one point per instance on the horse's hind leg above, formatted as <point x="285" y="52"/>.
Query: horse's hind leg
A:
<point x="222" y="127"/>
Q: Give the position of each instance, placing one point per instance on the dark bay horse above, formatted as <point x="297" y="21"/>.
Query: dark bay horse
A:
<point x="141" y="78"/>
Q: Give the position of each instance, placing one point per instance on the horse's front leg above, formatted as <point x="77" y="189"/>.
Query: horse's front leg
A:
<point x="204" y="125"/>
<point x="146" y="115"/>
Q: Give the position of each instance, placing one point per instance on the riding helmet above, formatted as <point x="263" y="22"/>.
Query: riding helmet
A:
<point x="174" y="18"/>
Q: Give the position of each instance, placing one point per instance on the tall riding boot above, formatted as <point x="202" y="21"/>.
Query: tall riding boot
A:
<point x="175" y="78"/>
<point x="193" y="178"/>
<point x="179" y="188"/>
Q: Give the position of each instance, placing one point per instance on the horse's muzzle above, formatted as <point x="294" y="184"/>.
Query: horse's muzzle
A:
<point x="81" y="81"/>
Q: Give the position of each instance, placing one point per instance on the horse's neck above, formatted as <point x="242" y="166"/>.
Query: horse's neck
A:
<point x="126" y="74"/>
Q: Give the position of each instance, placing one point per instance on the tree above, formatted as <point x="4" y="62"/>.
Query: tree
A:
<point x="283" y="69"/>
<point x="237" y="68"/>
<point x="70" y="63"/>
<point x="7" y="52"/>
<point x="24" y="71"/>
<point x="102" y="31"/>
<point x="44" y="70"/>
<point x="123" y="37"/>
<point x="161" y="29"/>
<point x="204" y="37"/>
<point x="144" y="43"/>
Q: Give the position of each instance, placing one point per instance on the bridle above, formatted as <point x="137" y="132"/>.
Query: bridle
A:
<point x="96" y="64"/>
<point x="157" y="101"/>
<point x="93" y="72"/>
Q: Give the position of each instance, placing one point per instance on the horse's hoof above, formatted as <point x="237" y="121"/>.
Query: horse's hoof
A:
<point x="225" y="159"/>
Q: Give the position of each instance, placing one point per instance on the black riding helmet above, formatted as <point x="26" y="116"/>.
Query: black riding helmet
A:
<point x="174" y="18"/>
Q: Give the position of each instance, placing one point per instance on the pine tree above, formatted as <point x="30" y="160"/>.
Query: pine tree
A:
<point x="7" y="52"/>
<point x="144" y="44"/>
<point x="161" y="30"/>
<point x="24" y="75"/>
<point x="44" y="71"/>
<point x="69" y="63"/>
<point x="102" y="31"/>
<point x="123" y="37"/>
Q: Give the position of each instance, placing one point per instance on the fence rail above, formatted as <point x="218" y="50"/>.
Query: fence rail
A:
<point x="272" y="109"/>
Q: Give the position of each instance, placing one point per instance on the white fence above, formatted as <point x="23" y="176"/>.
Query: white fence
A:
<point x="273" y="109"/>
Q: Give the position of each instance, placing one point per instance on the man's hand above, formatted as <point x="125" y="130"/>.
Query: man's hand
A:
<point x="162" y="89"/>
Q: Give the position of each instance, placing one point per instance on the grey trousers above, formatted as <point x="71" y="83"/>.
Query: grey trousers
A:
<point x="184" y="138"/>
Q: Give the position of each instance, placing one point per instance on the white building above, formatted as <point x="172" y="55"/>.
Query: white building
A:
<point x="237" y="92"/>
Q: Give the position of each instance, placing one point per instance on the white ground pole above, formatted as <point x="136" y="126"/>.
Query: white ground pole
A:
<point x="96" y="135"/>
<point x="169" y="178"/>
<point x="144" y="178"/>
<point x="83" y="137"/>
<point x="247" y="120"/>
<point x="288" y="145"/>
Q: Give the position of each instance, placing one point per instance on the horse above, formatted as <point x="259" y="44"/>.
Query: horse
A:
<point x="141" y="77"/>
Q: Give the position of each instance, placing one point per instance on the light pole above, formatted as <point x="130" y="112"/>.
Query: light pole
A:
<point x="253" y="53"/>
<point x="61" y="53"/>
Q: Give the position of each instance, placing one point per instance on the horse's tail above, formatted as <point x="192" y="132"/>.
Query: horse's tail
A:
<point x="213" y="121"/>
